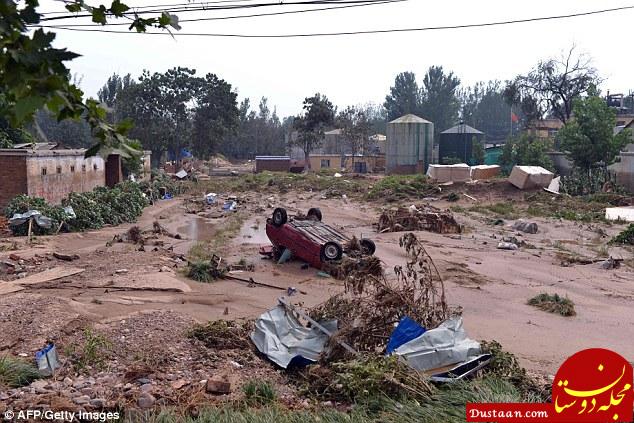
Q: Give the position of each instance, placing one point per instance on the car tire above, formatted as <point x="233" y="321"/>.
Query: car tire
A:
<point x="314" y="214"/>
<point x="331" y="251"/>
<point x="279" y="216"/>
<point x="367" y="246"/>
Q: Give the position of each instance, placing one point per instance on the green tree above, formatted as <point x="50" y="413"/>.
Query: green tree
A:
<point x="439" y="100"/>
<point x="71" y="133"/>
<point x="478" y="153"/>
<point x="355" y="125"/>
<point x="403" y="97"/>
<point x="318" y="114"/>
<point x="484" y="108"/>
<point x="34" y="75"/>
<point x="589" y="138"/>
<point x="215" y="116"/>
<point x="526" y="150"/>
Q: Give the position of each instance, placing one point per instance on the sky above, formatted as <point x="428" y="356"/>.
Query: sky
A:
<point x="359" y="69"/>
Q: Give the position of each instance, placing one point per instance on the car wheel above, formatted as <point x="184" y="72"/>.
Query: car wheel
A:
<point x="331" y="251"/>
<point x="314" y="214"/>
<point x="367" y="246"/>
<point x="279" y="216"/>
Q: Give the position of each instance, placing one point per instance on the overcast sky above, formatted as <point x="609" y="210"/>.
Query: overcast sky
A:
<point x="361" y="69"/>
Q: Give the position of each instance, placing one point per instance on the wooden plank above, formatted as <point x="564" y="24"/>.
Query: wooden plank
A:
<point x="49" y="275"/>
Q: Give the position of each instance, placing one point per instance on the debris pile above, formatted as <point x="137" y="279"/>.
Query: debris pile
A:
<point x="422" y="218"/>
<point x="223" y="334"/>
<point x="371" y="305"/>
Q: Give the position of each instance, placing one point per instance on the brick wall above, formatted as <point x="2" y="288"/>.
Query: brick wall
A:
<point x="12" y="178"/>
<point x="53" y="177"/>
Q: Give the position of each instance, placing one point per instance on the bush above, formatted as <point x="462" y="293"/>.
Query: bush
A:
<point x="625" y="237"/>
<point x="526" y="150"/>
<point x="400" y="187"/>
<point x="553" y="304"/>
<point x="122" y="204"/>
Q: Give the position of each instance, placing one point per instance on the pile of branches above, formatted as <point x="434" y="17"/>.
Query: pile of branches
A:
<point x="423" y="218"/>
<point x="223" y="334"/>
<point x="355" y="262"/>
<point x="371" y="305"/>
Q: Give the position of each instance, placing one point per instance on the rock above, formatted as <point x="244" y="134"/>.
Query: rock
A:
<point x="128" y="386"/>
<point x="217" y="385"/>
<point x="507" y="246"/>
<point x="165" y="269"/>
<point x="68" y="381"/>
<point x="524" y="226"/>
<point x="146" y="388"/>
<point x="143" y="380"/>
<point x="39" y="384"/>
<point x="65" y="257"/>
<point x="146" y="401"/>
<point x="87" y="391"/>
<point x="14" y="257"/>
<point x="178" y="384"/>
<point x="22" y="275"/>
<point x="97" y="403"/>
<point x="82" y="400"/>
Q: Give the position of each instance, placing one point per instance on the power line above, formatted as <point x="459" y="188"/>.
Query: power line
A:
<point x="216" y="8"/>
<point x="376" y="31"/>
<point x="171" y="5"/>
<point x="255" y="15"/>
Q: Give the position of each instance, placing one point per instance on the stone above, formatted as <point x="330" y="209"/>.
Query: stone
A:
<point x="524" y="226"/>
<point x="218" y="385"/>
<point x="40" y="383"/>
<point x="146" y="401"/>
<point x="97" y="403"/>
<point x="178" y="384"/>
<point x="143" y="380"/>
<point x="146" y="388"/>
<point x="81" y="400"/>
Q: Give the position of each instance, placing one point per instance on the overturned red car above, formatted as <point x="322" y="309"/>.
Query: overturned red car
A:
<point x="308" y="238"/>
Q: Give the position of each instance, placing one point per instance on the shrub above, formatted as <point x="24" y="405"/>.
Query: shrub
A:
<point x="400" y="187"/>
<point x="553" y="304"/>
<point x="625" y="237"/>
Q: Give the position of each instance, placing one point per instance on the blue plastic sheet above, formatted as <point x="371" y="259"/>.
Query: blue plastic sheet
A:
<point x="406" y="330"/>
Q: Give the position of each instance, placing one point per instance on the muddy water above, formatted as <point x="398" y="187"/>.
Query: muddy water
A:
<point x="253" y="231"/>
<point x="199" y="229"/>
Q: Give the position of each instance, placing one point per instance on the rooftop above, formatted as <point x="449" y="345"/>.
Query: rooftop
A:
<point x="462" y="129"/>
<point x="410" y="118"/>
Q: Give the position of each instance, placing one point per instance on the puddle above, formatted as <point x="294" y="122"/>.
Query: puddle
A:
<point x="199" y="229"/>
<point x="253" y="232"/>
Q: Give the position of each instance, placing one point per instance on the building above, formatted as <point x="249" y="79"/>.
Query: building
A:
<point x="357" y="164"/>
<point x="409" y="145"/>
<point x="272" y="163"/>
<point x="377" y="144"/>
<point x="47" y="173"/>
<point x="545" y="128"/>
<point x="458" y="142"/>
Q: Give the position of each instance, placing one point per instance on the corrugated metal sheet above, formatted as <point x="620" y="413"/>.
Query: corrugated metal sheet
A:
<point x="410" y="118"/>
<point x="409" y="145"/>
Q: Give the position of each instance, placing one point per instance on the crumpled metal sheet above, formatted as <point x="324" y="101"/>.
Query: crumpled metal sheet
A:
<point x="40" y="220"/>
<point x="281" y="337"/>
<point x="445" y="345"/>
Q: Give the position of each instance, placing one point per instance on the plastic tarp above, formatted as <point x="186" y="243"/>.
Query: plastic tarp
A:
<point x="406" y="330"/>
<point x="47" y="360"/>
<point x="445" y="345"/>
<point x="41" y="221"/>
<point x="282" y="338"/>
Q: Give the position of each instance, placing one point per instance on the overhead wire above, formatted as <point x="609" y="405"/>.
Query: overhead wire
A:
<point x="152" y="6"/>
<point x="344" y="33"/>
<point x="214" y="8"/>
<point x="255" y="15"/>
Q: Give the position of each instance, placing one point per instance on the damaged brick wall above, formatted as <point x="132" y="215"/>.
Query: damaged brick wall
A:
<point x="12" y="178"/>
<point x="53" y="177"/>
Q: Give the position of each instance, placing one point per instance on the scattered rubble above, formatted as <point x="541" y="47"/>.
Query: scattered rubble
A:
<point x="524" y="226"/>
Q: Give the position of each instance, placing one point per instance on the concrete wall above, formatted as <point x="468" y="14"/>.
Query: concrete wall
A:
<point x="12" y="178"/>
<point x="337" y="163"/>
<point x="409" y="147"/>
<point x="66" y="172"/>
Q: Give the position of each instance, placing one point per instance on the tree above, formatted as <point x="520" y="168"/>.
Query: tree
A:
<point x="439" y="100"/>
<point x="589" y="138"/>
<point x="355" y="126"/>
<point x="318" y="114"/>
<point x="526" y="150"/>
<point x="215" y="116"/>
<point x="484" y="108"/>
<point x="403" y="97"/>
<point x="478" y="153"/>
<point x="552" y="87"/>
<point x="72" y="133"/>
<point x="34" y="76"/>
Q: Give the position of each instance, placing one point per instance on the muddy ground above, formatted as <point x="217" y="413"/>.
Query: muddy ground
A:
<point x="138" y="301"/>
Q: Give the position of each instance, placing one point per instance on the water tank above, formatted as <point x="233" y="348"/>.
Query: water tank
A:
<point x="409" y="145"/>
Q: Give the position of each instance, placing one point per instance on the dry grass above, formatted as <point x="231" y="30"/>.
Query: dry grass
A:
<point x="553" y="304"/>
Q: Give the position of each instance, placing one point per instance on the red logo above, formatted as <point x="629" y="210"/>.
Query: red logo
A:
<point x="594" y="385"/>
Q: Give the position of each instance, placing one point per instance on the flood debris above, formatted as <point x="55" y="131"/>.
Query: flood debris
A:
<point x="418" y="218"/>
<point x="525" y="226"/>
<point x="553" y="304"/>
<point x="529" y="177"/>
<point x="371" y="305"/>
<point x="507" y="246"/>
<point x="47" y="360"/>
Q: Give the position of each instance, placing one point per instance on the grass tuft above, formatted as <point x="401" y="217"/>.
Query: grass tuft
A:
<point x="15" y="372"/>
<point x="553" y="304"/>
<point x="259" y="393"/>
